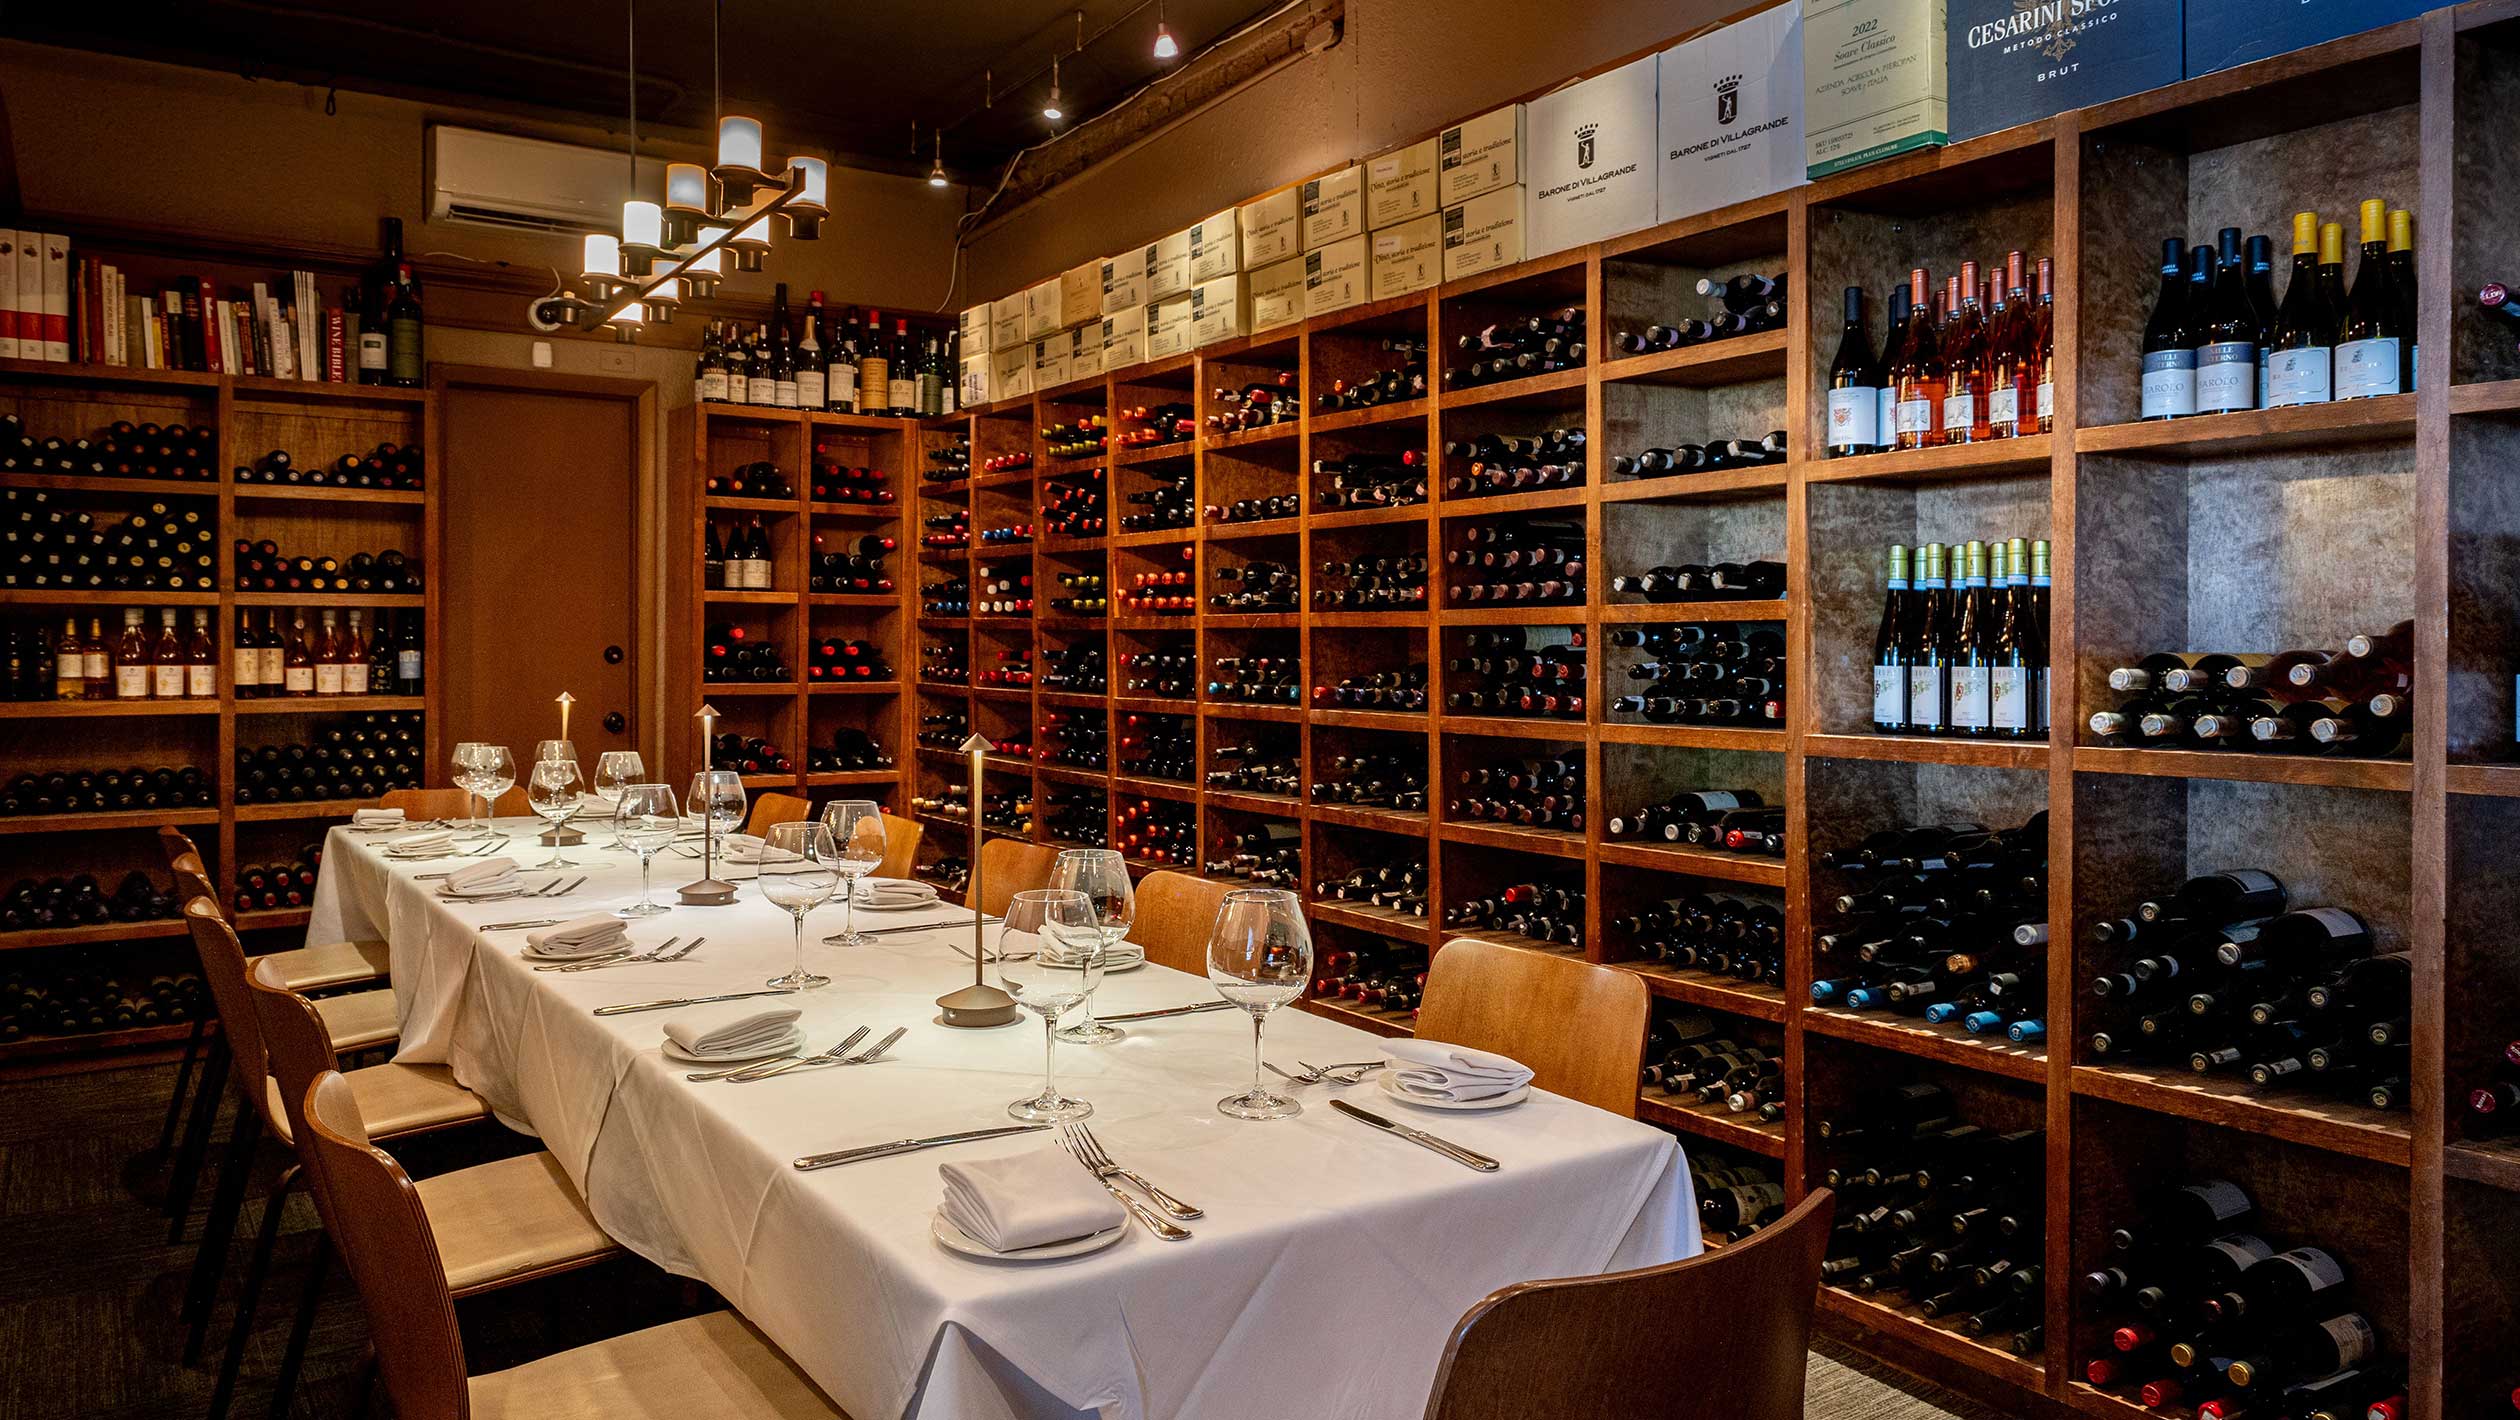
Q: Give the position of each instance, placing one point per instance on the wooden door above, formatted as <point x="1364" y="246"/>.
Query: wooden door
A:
<point x="543" y="486"/>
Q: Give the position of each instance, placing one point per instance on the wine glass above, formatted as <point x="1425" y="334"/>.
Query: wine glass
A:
<point x="494" y="773"/>
<point x="466" y="755"/>
<point x="647" y="820"/>
<point x="615" y="770"/>
<point x="1259" y="957"/>
<point x="554" y="749"/>
<point x="1043" y="923"/>
<point x="857" y="834"/>
<point x="552" y="790"/>
<point x="799" y="872"/>
<point x="717" y="795"/>
<point x="1103" y="876"/>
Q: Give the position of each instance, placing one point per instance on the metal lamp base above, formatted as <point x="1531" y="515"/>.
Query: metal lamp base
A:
<point x="708" y="892"/>
<point x="977" y="1007"/>
<point x="561" y="838"/>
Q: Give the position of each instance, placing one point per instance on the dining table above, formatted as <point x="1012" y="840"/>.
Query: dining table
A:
<point x="1330" y="1265"/>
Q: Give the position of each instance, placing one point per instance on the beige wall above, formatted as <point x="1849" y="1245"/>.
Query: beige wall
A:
<point x="1405" y="68"/>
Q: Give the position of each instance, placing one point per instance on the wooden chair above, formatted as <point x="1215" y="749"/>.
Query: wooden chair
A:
<point x="775" y="807"/>
<point x="497" y="1223"/>
<point x="420" y="805"/>
<point x="246" y="1064"/>
<point x="1009" y="866"/>
<point x="394" y="1240"/>
<point x="1580" y="1027"/>
<point x="1722" y="1336"/>
<point x="1174" y="913"/>
<point x="901" y="845"/>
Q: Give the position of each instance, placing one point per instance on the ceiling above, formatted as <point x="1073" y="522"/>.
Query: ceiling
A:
<point x="850" y="77"/>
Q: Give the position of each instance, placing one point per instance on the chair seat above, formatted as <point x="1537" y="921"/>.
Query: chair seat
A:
<point x="501" y="1221"/>
<point x="714" y="1365"/>
<point x="396" y="1099"/>
<point x="331" y="964"/>
<point x="359" y="1020"/>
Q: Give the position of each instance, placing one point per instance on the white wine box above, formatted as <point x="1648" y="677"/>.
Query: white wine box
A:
<point x="1406" y="258"/>
<point x="1080" y="294"/>
<point x="1010" y="372"/>
<point x="1006" y="322"/>
<point x="1218" y="310"/>
<point x="1215" y="247"/>
<point x="2221" y="33"/>
<point x="1334" y="207"/>
<point x="1168" y="267"/>
<point x="1400" y="185"/>
<point x="2013" y="63"/>
<point x="1085" y="350"/>
<point x="1168" y="328"/>
<point x="973" y="330"/>
<point x="1732" y="115"/>
<point x="1272" y="226"/>
<point x="1334" y="277"/>
<point x="978" y="384"/>
<point x="1592" y="167"/>
<point x="1041" y="308"/>
<point x="1277" y="295"/>
<point x="1124" y="280"/>
<point x="1483" y="233"/>
<point x="1481" y="155"/>
<point x="1123" y="339"/>
<point x="1876" y="81"/>
<point x="1050" y="357"/>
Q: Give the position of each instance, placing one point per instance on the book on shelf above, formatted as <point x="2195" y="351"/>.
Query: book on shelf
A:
<point x="66" y="306"/>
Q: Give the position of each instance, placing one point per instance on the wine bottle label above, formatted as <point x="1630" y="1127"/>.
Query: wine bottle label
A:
<point x="300" y="681"/>
<point x="248" y="666"/>
<point x="1854" y="416"/>
<point x="407" y="666"/>
<point x="2225" y="1199"/>
<point x="2169" y="384"/>
<point x="1916" y="416"/>
<point x="2008" y="698"/>
<point x="904" y="392"/>
<point x="762" y="390"/>
<point x="201" y="682"/>
<point x="2241" y="1250"/>
<point x="328" y="678"/>
<point x="273" y="670"/>
<point x="2365" y="368"/>
<point x="2336" y="921"/>
<point x="2253" y="880"/>
<point x="1890" y="691"/>
<point x="167" y="682"/>
<point x="2226" y="376"/>
<point x="809" y="387"/>
<point x="131" y="682"/>
<point x="372" y="350"/>
<point x="1925" y="696"/>
<point x="2003" y="408"/>
<point x="1886" y="417"/>
<point x="2047" y="400"/>
<point x="2297" y="377"/>
<point x="844" y="387"/>
<point x="1969" y="697"/>
<point x="2352" y="1336"/>
<point x="2319" y="1271"/>
<point x="1959" y="410"/>
<point x="354" y="678"/>
<point x="784" y="394"/>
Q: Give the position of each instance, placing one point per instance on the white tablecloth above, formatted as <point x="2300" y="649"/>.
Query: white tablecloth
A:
<point x="1331" y="1266"/>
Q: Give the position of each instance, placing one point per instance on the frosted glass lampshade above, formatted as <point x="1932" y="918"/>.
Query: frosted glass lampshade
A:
<point x="642" y="224"/>
<point x="739" y="142"/>
<point x="712" y="263"/>
<point x="603" y="256"/>
<point x="751" y="244"/>
<point x="817" y="183"/>
<point x="668" y="292"/>
<point x="687" y="188"/>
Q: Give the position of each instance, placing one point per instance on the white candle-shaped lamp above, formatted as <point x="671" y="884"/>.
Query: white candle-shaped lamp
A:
<point x="708" y="892"/>
<point x="566" y="700"/>
<point x="979" y="1004"/>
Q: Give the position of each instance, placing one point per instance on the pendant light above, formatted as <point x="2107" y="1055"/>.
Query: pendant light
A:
<point x="1165" y="46"/>
<point x="936" y="170"/>
<point x="1051" y="109"/>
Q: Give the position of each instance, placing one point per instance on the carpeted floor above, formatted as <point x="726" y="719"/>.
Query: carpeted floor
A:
<point x="90" y="1289"/>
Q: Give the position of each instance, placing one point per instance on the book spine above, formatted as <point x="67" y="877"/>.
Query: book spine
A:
<point x="336" y="347"/>
<point x="56" y="297"/>
<point x="30" y="295"/>
<point x="213" y="349"/>
<point x="8" y="294"/>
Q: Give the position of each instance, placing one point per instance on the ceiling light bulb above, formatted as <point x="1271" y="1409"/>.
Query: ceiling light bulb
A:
<point x="1051" y="110"/>
<point x="1165" y="46"/>
<point x="936" y="175"/>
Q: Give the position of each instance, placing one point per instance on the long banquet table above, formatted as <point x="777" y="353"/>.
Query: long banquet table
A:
<point x="1332" y="1264"/>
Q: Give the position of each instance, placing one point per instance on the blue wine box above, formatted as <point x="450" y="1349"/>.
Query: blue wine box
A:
<point x="2014" y="61"/>
<point x="2222" y="33"/>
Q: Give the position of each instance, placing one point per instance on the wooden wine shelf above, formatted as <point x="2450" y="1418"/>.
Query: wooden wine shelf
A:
<point x="2024" y="457"/>
<point x="99" y="932"/>
<point x="1711" y="1121"/>
<point x="1715" y="993"/>
<point x="103" y="709"/>
<point x="104" y="822"/>
<point x="2303" y="1118"/>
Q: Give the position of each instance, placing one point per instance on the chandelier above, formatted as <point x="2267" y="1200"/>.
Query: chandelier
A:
<point x="677" y="250"/>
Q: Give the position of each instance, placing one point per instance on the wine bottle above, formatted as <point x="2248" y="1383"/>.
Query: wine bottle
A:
<point x="1922" y="380"/>
<point x="1855" y="385"/>
<point x="2226" y="352"/>
<point x="2169" y="346"/>
<point x="2368" y="355"/>
<point x="2298" y="366"/>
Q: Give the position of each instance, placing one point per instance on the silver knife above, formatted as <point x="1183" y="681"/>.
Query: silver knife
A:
<point x="904" y="1146"/>
<point x="1172" y="1011"/>
<point x="517" y="926"/>
<point x="629" y="1006"/>
<point x="1448" y="1149"/>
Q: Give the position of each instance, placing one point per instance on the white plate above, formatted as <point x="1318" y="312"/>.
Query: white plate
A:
<point x="1111" y="964"/>
<point x="955" y="1239"/>
<point x="897" y="904"/>
<point x="1513" y="1096"/>
<point x="795" y="1038"/>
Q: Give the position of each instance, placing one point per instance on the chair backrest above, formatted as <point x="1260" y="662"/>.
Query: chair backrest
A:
<point x="377" y="1222"/>
<point x="1009" y="866"/>
<point x="1174" y="913"/>
<point x="453" y="803"/>
<point x="1722" y="1336"/>
<point x="775" y="807"/>
<point x="1580" y="1027"/>
<point x="188" y="864"/>
<point x="901" y="845"/>
<point x="295" y="1043"/>
<point x="175" y="843"/>
<point x="223" y="966"/>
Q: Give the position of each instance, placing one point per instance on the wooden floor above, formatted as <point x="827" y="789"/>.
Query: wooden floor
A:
<point x="90" y="1290"/>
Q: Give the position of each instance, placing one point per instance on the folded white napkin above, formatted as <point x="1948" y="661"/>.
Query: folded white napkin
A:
<point x="483" y="876"/>
<point x="376" y="818"/>
<point x="739" y="847"/>
<point x="591" y="935"/>
<point x="1430" y="1069"/>
<point x="422" y="845"/>
<point x="1026" y="1200"/>
<point x="754" y="1034"/>
<point x="894" y="892"/>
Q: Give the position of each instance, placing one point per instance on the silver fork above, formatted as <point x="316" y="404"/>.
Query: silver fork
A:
<point x="654" y="958"/>
<point x="1333" y="1073"/>
<point x="1310" y="1076"/>
<point x="1090" y="1152"/>
<point x="1157" y="1224"/>
<point x="758" y="1071"/>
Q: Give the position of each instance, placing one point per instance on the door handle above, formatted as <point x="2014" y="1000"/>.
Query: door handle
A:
<point x="612" y="655"/>
<point x="616" y="722"/>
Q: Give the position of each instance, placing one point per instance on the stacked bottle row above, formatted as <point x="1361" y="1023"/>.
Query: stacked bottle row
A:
<point x="1007" y="670"/>
<point x="945" y="532"/>
<point x="1544" y="911"/>
<point x="856" y="569"/>
<point x="1371" y="480"/>
<point x="278" y="887"/>
<point x="1157" y="831"/>
<point x="360" y="757"/>
<point x="1945" y="922"/>
<point x="64" y="992"/>
<point x="1526" y="793"/>
<point x="1400" y="691"/>
<point x="832" y="660"/>
<point x="1735" y="820"/>
<point x="1699" y="581"/>
<point x="81" y="901"/>
<point x="1395" y="583"/>
<point x="1737" y="305"/>
<point x="943" y="663"/>
<point x="1075" y="816"/>
<point x="1075" y="739"/>
<point x="1256" y="404"/>
<point x="1705" y="673"/>
<point x="1076" y="505"/>
<point x="1081" y="668"/>
<point x="136" y="665"/>
<point x="262" y="567"/>
<point x="1159" y="747"/>
<point x="1258" y="587"/>
<point x="1376" y="976"/>
<point x="843" y="365"/>
<point x="736" y="654"/>
<point x="749" y="754"/>
<point x="1513" y="672"/>
<point x="1369" y="781"/>
<point x="1722" y="935"/>
<point x="1255" y="680"/>
<point x="1159" y="675"/>
<point x="851" y="749"/>
<point x="1525" y="562"/>
<point x="1712" y="456"/>
<point x="1395" y="884"/>
<point x="1962" y="647"/>
<point x="1268" y="854"/>
<point x="50" y="544"/>
<point x="131" y="789"/>
<point x="1518" y="348"/>
<point x="760" y="478"/>
<point x="2358" y="700"/>
<point x="1002" y="588"/>
<point x="1736" y="1197"/>
<point x="830" y="479"/>
<point x="387" y="466"/>
<point x="1692" y="1055"/>
<point x="2224" y="975"/>
<point x="1266" y="763"/>
<point x="122" y="449"/>
<point x="1501" y="463"/>
<point x="1972" y="361"/>
<point x="1404" y="378"/>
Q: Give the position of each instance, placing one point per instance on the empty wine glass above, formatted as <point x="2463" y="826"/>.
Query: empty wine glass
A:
<point x="717" y="795"/>
<point x="1259" y="957"/>
<point x="494" y="773"/>
<point x="465" y="760"/>
<point x="857" y="836"/>
<point x="554" y="749"/>
<point x="647" y="820"/>
<point x="552" y="790"/>
<point x="615" y="770"/>
<point x="1103" y="876"/>
<point x="799" y="872"/>
<point x="1042" y="924"/>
